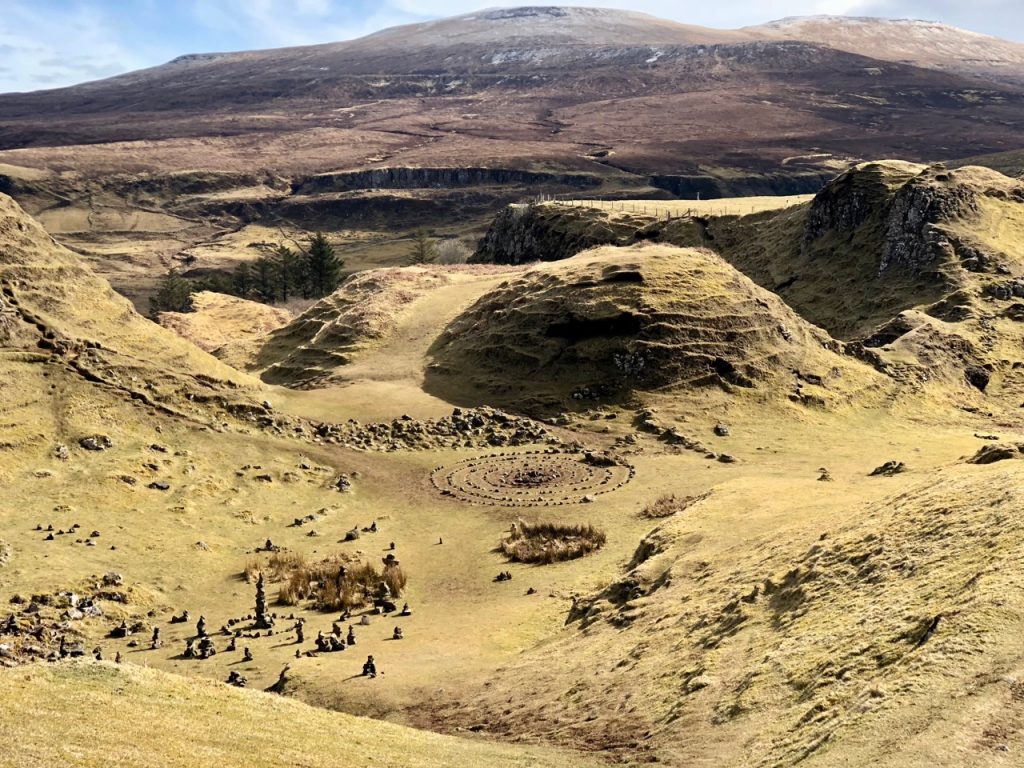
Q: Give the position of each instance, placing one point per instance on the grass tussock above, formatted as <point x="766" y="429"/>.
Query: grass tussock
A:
<point x="544" y="543"/>
<point x="278" y="566"/>
<point x="334" y="584"/>
<point x="670" y="504"/>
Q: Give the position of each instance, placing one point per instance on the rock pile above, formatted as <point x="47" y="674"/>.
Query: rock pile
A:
<point x="989" y="454"/>
<point x="889" y="469"/>
<point x="465" y="428"/>
<point x="44" y="627"/>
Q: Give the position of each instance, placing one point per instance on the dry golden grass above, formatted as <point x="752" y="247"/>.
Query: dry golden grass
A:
<point x="781" y="624"/>
<point x="660" y="209"/>
<point x="334" y="583"/>
<point x="670" y="504"/>
<point x="217" y="319"/>
<point x="548" y="542"/>
<point x="90" y="715"/>
<point x="276" y="566"/>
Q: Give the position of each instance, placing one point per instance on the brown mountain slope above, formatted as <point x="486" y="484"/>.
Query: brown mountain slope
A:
<point x="523" y="76"/>
<point x="922" y="43"/>
<point x="439" y="125"/>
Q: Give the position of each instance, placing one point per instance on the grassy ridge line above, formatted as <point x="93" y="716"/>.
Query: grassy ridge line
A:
<point x="100" y="714"/>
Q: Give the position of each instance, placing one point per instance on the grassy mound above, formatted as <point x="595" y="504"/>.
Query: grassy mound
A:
<point x="227" y="326"/>
<point x="882" y="240"/>
<point x="612" y="321"/>
<point x="76" y="352"/>
<point x="548" y="542"/>
<point x="306" y="352"/>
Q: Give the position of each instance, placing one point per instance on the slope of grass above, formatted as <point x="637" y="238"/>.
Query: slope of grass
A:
<point x="100" y="714"/>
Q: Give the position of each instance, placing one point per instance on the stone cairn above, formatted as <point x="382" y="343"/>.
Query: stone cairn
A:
<point x="263" y="618"/>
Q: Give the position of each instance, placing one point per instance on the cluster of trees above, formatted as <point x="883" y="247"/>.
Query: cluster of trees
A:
<point x="277" y="277"/>
<point x="284" y="274"/>
<point x="426" y="250"/>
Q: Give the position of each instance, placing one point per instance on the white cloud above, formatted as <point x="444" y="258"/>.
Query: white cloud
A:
<point x="35" y="57"/>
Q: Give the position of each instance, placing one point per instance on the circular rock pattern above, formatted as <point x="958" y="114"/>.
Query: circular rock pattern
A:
<point x="529" y="479"/>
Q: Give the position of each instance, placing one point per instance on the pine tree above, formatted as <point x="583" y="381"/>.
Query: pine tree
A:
<point x="290" y="271"/>
<point x="264" y="279"/>
<point x="241" y="280"/>
<point x="424" y="249"/>
<point x="323" y="266"/>
<point x="171" y="295"/>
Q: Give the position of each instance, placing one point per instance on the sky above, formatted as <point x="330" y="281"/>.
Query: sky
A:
<point x="52" y="43"/>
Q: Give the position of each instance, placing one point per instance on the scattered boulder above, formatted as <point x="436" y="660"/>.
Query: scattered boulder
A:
<point x="989" y="454"/>
<point x="889" y="469"/>
<point x="465" y="428"/>
<point x="96" y="443"/>
<point x="599" y="459"/>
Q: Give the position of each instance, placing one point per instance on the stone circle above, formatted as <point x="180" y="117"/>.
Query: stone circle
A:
<point x="542" y="478"/>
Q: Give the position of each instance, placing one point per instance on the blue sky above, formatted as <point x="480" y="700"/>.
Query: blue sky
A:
<point x="50" y="43"/>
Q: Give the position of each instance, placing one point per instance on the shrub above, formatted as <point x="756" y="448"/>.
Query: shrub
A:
<point x="453" y="251"/>
<point x="424" y="249"/>
<point x="545" y="543"/>
<point x="172" y="294"/>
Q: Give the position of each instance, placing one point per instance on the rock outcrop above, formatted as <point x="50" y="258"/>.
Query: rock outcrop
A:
<point x="440" y="178"/>
<point x="522" y="234"/>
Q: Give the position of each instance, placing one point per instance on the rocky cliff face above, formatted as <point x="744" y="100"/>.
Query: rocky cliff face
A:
<point x="708" y="187"/>
<point x="847" y="201"/>
<point x="439" y="178"/>
<point x="521" y="234"/>
<point x="914" y="238"/>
